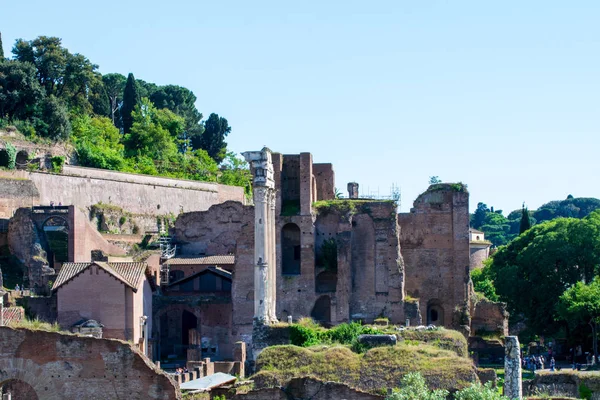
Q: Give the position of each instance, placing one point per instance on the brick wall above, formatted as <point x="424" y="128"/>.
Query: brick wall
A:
<point x="435" y="247"/>
<point x="69" y="367"/>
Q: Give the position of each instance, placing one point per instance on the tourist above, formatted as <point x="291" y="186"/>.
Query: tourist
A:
<point x="552" y="364"/>
<point x="17" y="288"/>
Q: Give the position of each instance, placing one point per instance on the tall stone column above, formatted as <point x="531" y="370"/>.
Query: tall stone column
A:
<point x="264" y="235"/>
<point x="513" y="387"/>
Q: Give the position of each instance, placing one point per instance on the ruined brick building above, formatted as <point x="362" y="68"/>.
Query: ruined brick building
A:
<point x="336" y="261"/>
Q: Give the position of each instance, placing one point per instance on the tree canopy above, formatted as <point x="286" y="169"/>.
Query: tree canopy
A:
<point x="119" y="123"/>
<point x="533" y="271"/>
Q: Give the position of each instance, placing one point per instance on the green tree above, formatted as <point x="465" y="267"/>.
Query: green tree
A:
<point x="54" y="122"/>
<point x="97" y="142"/>
<point x="69" y="77"/>
<point x="525" y="222"/>
<point x="153" y="132"/>
<point x="532" y="271"/>
<point x="236" y="172"/>
<point x="483" y="283"/>
<point x="479" y="216"/>
<point x="433" y="180"/>
<point x="114" y="85"/>
<point x="21" y="96"/>
<point x="131" y="100"/>
<point x="213" y="139"/>
<point x="1" y="49"/>
<point x="581" y="304"/>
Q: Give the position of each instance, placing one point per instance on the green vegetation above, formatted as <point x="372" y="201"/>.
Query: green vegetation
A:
<point x="344" y="206"/>
<point x="456" y="187"/>
<point x="57" y="163"/>
<point x="123" y="124"/>
<point x="9" y="157"/>
<point x="501" y="230"/>
<point x="327" y="255"/>
<point x="533" y="271"/>
<point x="377" y="368"/>
<point x="580" y="304"/>
<point x="37" y="325"/>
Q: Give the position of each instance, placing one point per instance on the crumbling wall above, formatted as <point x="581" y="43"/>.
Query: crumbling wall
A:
<point x="308" y="388"/>
<point x="435" y="247"/>
<point x="325" y="181"/>
<point x="226" y="228"/>
<point x="65" y="367"/>
<point x="489" y="316"/>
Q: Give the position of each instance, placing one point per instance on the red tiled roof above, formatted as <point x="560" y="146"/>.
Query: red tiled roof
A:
<point x="129" y="273"/>
<point x="224" y="259"/>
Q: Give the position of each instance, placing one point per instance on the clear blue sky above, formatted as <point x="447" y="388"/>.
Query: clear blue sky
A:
<point x="503" y="96"/>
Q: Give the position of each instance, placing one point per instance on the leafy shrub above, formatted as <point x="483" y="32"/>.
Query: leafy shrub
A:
<point x="585" y="392"/>
<point x="413" y="387"/>
<point x="122" y="220"/>
<point x="303" y="336"/>
<point x="57" y="163"/>
<point x="477" y="391"/>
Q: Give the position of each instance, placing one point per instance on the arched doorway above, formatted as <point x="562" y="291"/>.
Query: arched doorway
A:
<point x="290" y="250"/>
<point x="22" y="159"/>
<point x="4" y="159"/>
<point x="18" y="389"/>
<point x="177" y="329"/>
<point x="435" y="313"/>
<point x="321" y="312"/>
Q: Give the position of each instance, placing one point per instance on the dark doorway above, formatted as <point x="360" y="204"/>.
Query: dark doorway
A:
<point x="290" y="250"/>
<point x="435" y="313"/>
<point x="321" y="312"/>
<point x="188" y="321"/>
<point x="3" y="158"/>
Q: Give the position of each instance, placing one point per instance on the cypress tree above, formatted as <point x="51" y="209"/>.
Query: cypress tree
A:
<point x="525" y="222"/>
<point x="131" y="98"/>
<point x="1" y="48"/>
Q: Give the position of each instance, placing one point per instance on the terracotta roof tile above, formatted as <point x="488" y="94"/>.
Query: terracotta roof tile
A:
<point x="129" y="273"/>
<point x="223" y="259"/>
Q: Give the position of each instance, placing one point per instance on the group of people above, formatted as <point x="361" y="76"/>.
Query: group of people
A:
<point x="534" y="362"/>
<point x="180" y="371"/>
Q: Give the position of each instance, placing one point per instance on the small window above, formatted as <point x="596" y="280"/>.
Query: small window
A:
<point x="477" y="238"/>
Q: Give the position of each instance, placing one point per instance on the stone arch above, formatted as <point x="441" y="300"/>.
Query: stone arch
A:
<point x="326" y="282"/>
<point x="18" y="390"/>
<point x="25" y="372"/>
<point x="56" y="232"/>
<point x="4" y="159"/>
<point x="321" y="311"/>
<point x="22" y="159"/>
<point x="291" y="254"/>
<point x="435" y="312"/>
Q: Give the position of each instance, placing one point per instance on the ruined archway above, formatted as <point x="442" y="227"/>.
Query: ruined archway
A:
<point x="22" y="377"/>
<point x="435" y="313"/>
<point x="321" y="312"/>
<point x="18" y="390"/>
<point x="22" y="159"/>
<point x="290" y="250"/>
<point x="4" y="158"/>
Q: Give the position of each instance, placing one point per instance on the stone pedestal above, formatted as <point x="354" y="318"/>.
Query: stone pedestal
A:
<point x="513" y="387"/>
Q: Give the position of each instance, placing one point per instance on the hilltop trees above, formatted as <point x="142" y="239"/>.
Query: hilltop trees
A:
<point x="213" y="138"/>
<point x="131" y="99"/>
<point x="118" y="123"/>
<point x="1" y="48"/>
<point x="533" y="271"/>
<point x="525" y="222"/>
